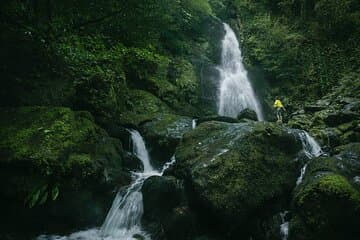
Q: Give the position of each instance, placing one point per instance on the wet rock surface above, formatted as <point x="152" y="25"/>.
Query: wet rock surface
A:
<point x="163" y="133"/>
<point x="233" y="171"/>
<point x="327" y="203"/>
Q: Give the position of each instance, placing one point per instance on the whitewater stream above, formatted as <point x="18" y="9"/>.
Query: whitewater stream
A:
<point x="123" y="221"/>
<point x="311" y="149"/>
<point x="235" y="92"/>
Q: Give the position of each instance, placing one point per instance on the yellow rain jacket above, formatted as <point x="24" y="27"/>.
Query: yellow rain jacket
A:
<point x="278" y="104"/>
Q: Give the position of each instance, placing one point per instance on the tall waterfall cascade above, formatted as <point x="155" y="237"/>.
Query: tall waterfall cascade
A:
<point x="235" y="92"/>
<point x="123" y="220"/>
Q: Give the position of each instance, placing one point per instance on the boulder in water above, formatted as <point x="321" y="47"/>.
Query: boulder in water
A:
<point x="161" y="195"/>
<point x="165" y="209"/>
<point x="235" y="171"/>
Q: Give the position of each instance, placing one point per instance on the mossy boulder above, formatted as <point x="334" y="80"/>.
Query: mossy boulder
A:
<point x="234" y="172"/>
<point x="327" y="202"/>
<point x="161" y="195"/>
<point x="143" y="106"/>
<point x="163" y="134"/>
<point x="300" y="121"/>
<point x="247" y="114"/>
<point x="56" y="165"/>
<point x="166" y="213"/>
<point x="333" y="120"/>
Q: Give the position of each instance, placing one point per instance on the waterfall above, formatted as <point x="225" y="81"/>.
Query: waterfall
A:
<point x="284" y="227"/>
<point x="236" y="92"/>
<point x="311" y="147"/>
<point x="139" y="149"/>
<point x="193" y="124"/>
<point x="123" y="220"/>
<point x="302" y="173"/>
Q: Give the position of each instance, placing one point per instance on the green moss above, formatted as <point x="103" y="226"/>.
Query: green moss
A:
<point x="332" y="185"/>
<point x="42" y="134"/>
<point x="185" y="79"/>
<point x="143" y="106"/>
<point x="328" y="205"/>
<point x="236" y="168"/>
<point x="42" y="145"/>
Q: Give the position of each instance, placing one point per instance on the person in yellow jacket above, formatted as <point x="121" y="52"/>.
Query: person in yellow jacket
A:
<point x="279" y="109"/>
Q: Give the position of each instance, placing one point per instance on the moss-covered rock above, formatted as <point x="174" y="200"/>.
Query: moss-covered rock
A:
<point x="53" y="160"/>
<point x="332" y="120"/>
<point x="233" y="171"/>
<point x="327" y="203"/>
<point x="143" y="107"/>
<point x="163" y="134"/>
<point x="166" y="213"/>
<point x="161" y="195"/>
<point x="247" y="114"/>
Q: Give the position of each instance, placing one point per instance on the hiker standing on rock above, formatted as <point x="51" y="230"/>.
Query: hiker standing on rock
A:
<point x="279" y="109"/>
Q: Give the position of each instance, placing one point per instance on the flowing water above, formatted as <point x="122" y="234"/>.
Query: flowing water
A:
<point x="193" y="124"/>
<point x="312" y="149"/>
<point x="123" y="221"/>
<point x="236" y="92"/>
<point x="284" y="227"/>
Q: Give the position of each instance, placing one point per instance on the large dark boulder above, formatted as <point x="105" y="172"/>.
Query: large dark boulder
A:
<point x="247" y="114"/>
<point x="160" y="195"/>
<point x="327" y="202"/>
<point x="166" y="213"/>
<point x="58" y="169"/>
<point x="237" y="172"/>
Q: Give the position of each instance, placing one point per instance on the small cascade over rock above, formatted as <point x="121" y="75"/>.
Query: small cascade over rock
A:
<point x="193" y="123"/>
<point x="236" y="92"/>
<point x="284" y="227"/>
<point x="123" y="221"/>
<point x="311" y="147"/>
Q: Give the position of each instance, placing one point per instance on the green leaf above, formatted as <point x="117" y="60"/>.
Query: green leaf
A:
<point x="43" y="198"/>
<point x="34" y="198"/>
<point x="54" y="193"/>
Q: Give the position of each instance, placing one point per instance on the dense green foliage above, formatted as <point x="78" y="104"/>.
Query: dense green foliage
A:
<point x="310" y="43"/>
<point x="88" y="54"/>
